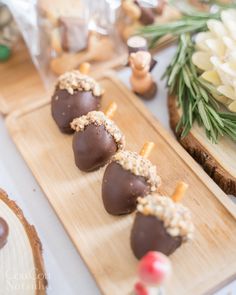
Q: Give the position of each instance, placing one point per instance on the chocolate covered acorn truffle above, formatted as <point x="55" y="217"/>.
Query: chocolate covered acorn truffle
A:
<point x="161" y="224"/>
<point x="75" y="95"/>
<point x="4" y="231"/>
<point x="127" y="177"/>
<point x="96" y="140"/>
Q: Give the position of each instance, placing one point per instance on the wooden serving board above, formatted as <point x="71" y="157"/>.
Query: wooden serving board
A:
<point x="103" y="240"/>
<point x="218" y="160"/>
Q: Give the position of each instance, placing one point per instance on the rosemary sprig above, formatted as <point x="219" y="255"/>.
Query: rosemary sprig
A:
<point x="195" y="96"/>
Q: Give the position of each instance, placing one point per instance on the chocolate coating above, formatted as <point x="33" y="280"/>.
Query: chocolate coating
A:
<point x="4" y="231"/>
<point x="93" y="147"/>
<point x="65" y="107"/>
<point x="74" y="34"/>
<point x="121" y="188"/>
<point x="149" y="234"/>
<point x="147" y="15"/>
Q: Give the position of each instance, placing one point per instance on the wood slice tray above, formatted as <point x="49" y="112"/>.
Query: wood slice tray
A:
<point x="21" y="261"/>
<point x="218" y="160"/>
<point x="102" y="240"/>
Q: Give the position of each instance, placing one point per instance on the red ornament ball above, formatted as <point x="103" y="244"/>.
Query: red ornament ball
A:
<point x="154" y="268"/>
<point x="140" y="289"/>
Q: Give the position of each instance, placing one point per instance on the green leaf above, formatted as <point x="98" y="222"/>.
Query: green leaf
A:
<point x="203" y="115"/>
<point x="190" y="111"/>
<point x="186" y="78"/>
<point x="204" y="94"/>
<point x="173" y="74"/>
<point x="216" y="116"/>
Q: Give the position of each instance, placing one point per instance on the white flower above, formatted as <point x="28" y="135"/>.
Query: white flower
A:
<point x="216" y="56"/>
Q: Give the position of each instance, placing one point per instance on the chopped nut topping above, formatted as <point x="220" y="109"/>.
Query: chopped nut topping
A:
<point x="99" y="118"/>
<point x="75" y="81"/>
<point x="176" y="218"/>
<point x="139" y="166"/>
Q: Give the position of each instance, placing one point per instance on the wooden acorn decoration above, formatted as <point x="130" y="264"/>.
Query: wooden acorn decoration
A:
<point x="96" y="140"/>
<point x="141" y="79"/>
<point x="75" y="95"/>
<point x="161" y="223"/>
<point x="128" y="176"/>
<point x="138" y="43"/>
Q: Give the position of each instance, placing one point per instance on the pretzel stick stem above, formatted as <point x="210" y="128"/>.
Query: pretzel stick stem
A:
<point x="110" y="111"/>
<point x="179" y="192"/>
<point x="147" y="149"/>
<point x="84" y="68"/>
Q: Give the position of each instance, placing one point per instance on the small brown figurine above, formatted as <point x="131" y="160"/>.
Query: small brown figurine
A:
<point x="141" y="80"/>
<point x="138" y="43"/>
<point x="161" y="223"/>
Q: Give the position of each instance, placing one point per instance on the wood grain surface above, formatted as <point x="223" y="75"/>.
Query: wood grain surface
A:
<point x="103" y="240"/>
<point x="218" y="160"/>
